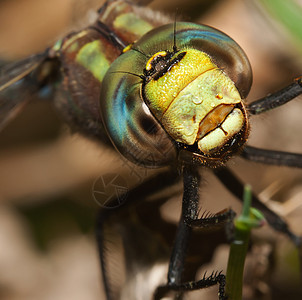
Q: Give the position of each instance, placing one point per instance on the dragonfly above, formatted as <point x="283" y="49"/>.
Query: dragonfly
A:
<point x="115" y="51"/>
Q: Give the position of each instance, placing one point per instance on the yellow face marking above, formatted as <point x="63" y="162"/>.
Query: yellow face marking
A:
<point x="196" y="102"/>
<point x="149" y="62"/>
<point x="165" y="90"/>
<point x="127" y="48"/>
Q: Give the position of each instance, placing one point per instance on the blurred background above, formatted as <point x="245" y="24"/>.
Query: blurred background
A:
<point x="47" y="209"/>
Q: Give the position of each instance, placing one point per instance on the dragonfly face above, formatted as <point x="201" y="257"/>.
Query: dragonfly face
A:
<point x="182" y="87"/>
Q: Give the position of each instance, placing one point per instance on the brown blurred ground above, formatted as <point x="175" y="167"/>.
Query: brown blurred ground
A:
<point x="41" y="163"/>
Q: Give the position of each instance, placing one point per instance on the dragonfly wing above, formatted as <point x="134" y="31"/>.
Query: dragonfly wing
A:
<point x="12" y="72"/>
<point x="12" y="101"/>
<point x="14" y="90"/>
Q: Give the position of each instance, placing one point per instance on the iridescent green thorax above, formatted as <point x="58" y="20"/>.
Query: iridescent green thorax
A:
<point x="127" y="21"/>
<point x="133" y="23"/>
<point x="92" y="56"/>
<point x="86" y="56"/>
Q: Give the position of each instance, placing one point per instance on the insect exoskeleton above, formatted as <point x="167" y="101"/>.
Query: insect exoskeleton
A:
<point x="179" y="85"/>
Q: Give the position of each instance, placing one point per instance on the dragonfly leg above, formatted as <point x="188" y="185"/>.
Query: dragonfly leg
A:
<point x="189" y="220"/>
<point x="271" y="157"/>
<point x="101" y="220"/>
<point x="207" y="281"/>
<point x="276" y="99"/>
<point x="272" y="101"/>
<point x="235" y="186"/>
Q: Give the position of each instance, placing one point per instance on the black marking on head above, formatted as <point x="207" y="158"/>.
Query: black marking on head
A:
<point x="161" y="65"/>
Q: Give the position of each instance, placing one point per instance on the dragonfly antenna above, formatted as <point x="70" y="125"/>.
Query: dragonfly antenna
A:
<point x="126" y="72"/>
<point x="174" y="31"/>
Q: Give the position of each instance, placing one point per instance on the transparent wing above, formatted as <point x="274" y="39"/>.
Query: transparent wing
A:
<point x="12" y="72"/>
<point x="14" y="87"/>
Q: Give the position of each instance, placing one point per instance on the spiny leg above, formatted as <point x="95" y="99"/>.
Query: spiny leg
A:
<point x="189" y="219"/>
<point x="271" y="157"/>
<point x="235" y="186"/>
<point x="189" y="210"/>
<point x="276" y="99"/>
<point x="207" y="281"/>
<point x="272" y="101"/>
<point x="267" y="156"/>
